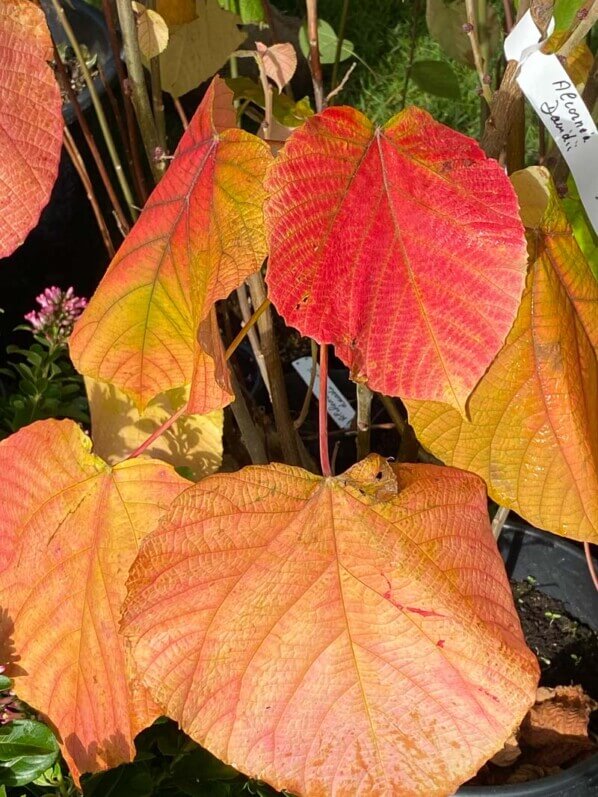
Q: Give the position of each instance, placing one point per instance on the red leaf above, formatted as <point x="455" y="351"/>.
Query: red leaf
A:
<point x="31" y="121"/>
<point x="401" y="245"/>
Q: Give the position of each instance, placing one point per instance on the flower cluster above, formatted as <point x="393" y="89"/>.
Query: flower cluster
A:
<point x="57" y="314"/>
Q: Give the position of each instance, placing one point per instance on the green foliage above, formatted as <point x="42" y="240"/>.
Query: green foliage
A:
<point x="42" y="383"/>
<point x="27" y="749"/>
<point x="328" y="43"/>
<point x="250" y="11"/>
<point x="437" y="78"/>
<point x="565" y="11"/>
<point x="170" y="764"/>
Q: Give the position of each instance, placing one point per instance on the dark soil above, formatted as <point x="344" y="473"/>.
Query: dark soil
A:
<point x="566" y="649"/>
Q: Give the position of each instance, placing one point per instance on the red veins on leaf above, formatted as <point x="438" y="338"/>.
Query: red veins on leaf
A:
<point x="401" y="245"/>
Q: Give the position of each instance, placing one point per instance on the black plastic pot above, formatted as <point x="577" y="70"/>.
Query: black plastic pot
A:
<point x="560" y="570"/>
<point x="90" y="29"/>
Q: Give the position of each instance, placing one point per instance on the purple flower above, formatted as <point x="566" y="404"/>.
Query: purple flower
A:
<point x="57" y="314"/>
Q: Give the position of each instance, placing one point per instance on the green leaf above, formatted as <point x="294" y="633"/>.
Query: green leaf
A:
<point x="287" y="112"/>
<point x="250" y="11"/>
<point x="201" y="766"/>
<point x="5" y="683"/>
<point x="586" y="238"/>
<point x="128" y="780"/>
<point x="27" y="749"/>
<point x="564" y="13"/>
<point x="327" y="40"/>
<point x="437" y="78"/>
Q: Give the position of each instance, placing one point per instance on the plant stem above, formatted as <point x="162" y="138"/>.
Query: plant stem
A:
<point x="280" y="402"/>
<point x="246" y="328"/>
<point x="588" y="552"/>
<point x="314" y="53"/>
<point x="89" y="139"/>
<point x="157" y="96"/>
<point x="364" y="420"/>
<point x="499" y="520"/>
<point x="508" y="15"/>
<point x="411" y="56"/>
<point x="475" y="49"/>
<point x="323" y="412"/>
<point x="401" y="426"/>
<point x="156" y="434"/>
<point x="129" y="141"/>
<point x="79" y="165"/>
<point x="181" y="112"/>
<point x="310" y="388"/>
<point x="252" y="439"/>
<point x="141" y="104"/>
<point x="339" y="44"/>
<point x="124" y="185"/>
<point x="580" y="31"/>
<point x="253" y="336"/>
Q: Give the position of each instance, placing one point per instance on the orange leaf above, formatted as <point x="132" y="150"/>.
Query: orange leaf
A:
<point x="147" y="328"/>
<point x="31" y="113"/>
<point x="533" y="433"/>
<point x="333" y="636"/>
<point x="401" y="245"/>
<point x="69" y="530"/>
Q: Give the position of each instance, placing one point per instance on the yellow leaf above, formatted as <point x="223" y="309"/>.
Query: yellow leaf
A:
<point x="176" y="12"/>
<point x="533" y="428"/>
<point x="70" y="528"/>
<point x="193" y="441"/>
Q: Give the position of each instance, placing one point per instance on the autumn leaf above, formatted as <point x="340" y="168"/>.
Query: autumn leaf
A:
<point x="148" y="328"/>
<point x="70" y="528"/>
<point x="176" y="12"/>
<point x="198" y="48"/>
<point x="279" y="61"/>
<point x="152" y="31"/>
<point x="400" y="245"/>
<point x="333" y="636"/>
<point x="31" y="110"/>
<point x="533" y="433"/>
<point x="193" y="441"/>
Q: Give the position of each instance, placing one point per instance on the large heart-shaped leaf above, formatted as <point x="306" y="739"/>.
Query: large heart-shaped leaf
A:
<point x="70" y="528"/>
<point x="31" y="127"/>
<point x="339" y="636"/>
<point x="148" y="329"/>
<point x="533" y="428"/>
<point x="401" y="245"/>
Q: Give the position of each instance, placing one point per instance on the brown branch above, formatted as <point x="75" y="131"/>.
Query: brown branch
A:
<point x="79" y="165"/>
<point x="314" y="53"/>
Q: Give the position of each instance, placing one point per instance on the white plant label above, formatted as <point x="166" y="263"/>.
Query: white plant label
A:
<point x="559" y="105"/>
<point x="339" y="409"/>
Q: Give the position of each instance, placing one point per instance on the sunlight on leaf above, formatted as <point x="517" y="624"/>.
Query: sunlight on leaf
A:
<point x="31" y="126"/>
<point x="149" y="326"/>
<point x="533" y="433"/>
<point x="194" y="441"/>
<point x="401" y="245"/>
<point x="321" y="633"/>
<point x="70" y="529"/>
